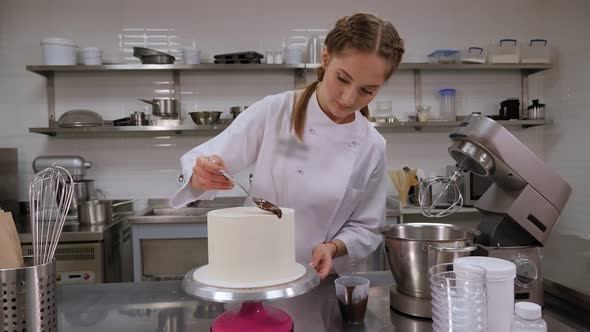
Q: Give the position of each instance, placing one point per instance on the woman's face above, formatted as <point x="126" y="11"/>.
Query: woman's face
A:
<point x="351" y="81"/>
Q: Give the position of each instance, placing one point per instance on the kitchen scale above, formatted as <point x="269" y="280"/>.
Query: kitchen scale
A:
<point x="252" y="315"/>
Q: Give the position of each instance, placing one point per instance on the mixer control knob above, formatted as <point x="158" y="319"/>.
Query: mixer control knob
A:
<point x="526" y="272"/>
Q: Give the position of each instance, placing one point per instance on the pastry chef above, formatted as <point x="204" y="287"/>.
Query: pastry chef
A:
<point x="314" y="150"/>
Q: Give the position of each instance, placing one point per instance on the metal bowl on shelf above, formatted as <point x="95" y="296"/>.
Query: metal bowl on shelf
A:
<point x="205" y="118"/>
<point x="80" y="118"/>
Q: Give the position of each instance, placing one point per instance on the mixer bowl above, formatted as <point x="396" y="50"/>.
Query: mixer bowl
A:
<point x="413" y="248"/>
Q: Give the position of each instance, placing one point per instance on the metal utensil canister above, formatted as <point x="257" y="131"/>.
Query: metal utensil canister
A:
<point x="29" y="297"/>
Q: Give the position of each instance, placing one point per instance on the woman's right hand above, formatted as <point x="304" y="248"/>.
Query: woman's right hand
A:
<point x="206" y="174"/>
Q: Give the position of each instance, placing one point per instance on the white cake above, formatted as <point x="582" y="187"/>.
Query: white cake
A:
<point x="249" y="247"/>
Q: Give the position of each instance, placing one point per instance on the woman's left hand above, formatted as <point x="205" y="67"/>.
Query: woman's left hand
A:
<point x="321" y="258"/>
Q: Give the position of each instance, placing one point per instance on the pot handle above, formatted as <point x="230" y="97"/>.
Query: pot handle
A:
<point x="150" y="102"/>
<point x="449" y="249"/>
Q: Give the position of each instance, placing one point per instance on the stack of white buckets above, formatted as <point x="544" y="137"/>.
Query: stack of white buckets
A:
<point x="62" y="51"/>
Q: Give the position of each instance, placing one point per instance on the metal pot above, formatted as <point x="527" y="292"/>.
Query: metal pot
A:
<point x="83" y="191"/>
<point x="413" y="248"/>
<point x="164" y="107"/>
<point x="536" y="111"/>
<point x="94" y="212"/>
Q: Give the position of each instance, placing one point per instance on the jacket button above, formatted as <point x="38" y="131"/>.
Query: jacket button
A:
<point x="311" y="131"/>
<point x="300" y="172"/>
<point x="354" y="144"/>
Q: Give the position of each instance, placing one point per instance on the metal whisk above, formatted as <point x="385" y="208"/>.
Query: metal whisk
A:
<point x="451" y="190"/>
<point x="50" y="196"/>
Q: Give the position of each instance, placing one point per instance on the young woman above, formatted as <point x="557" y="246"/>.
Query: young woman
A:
<point x="314" y="150"/>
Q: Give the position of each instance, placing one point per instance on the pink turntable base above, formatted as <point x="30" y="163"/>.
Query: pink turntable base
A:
<point x="253" y="317"/>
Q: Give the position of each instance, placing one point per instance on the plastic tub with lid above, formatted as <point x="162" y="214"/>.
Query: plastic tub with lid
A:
<point x="536" y="51"/>
<point x="505" y="51"/>
<point x="500" y="275"/>
<point x="473" y="55"/>
<point x="58" y="51"/>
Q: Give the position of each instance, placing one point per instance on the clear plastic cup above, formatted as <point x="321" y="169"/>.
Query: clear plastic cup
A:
<point x="353" y="295"/>
<point x="458" y="298"/>
<point x="448" y="111"/>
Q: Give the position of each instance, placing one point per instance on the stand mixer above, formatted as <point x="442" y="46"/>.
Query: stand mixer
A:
<point x="76" y="166"/>
<point x="520" y="208"/>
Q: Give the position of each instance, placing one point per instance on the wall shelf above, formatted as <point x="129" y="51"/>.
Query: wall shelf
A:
<point x="298" y="70"/>
<point x="46" y="70"/>
<point x="194" y="130"/>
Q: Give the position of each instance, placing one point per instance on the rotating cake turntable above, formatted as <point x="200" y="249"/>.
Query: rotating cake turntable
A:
<point x="252" y="315"/>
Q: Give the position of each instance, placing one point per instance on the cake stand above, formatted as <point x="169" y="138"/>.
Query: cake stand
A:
<point x="252" y="316"/>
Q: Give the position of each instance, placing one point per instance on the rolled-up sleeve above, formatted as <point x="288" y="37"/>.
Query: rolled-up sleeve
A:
<point x="238" y="145"/>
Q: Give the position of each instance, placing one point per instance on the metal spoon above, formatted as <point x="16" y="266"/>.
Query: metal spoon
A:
<point x="261" y="203"/>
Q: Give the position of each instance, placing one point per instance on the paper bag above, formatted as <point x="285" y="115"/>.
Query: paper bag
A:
<point x="11" y="255"/>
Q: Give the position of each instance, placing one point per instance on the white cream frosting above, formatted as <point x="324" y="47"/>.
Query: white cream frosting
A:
<point x="250" y="247"/>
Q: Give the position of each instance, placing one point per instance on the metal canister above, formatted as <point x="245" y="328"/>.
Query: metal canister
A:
<point x="29" y="297"/>
<point x="536" y="111"/>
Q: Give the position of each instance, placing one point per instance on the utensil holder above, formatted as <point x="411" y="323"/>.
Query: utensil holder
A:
<point x="28" y="298"/>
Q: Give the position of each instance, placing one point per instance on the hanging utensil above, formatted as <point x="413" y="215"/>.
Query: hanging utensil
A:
<point x="50" y="197"/>
<point x="261" y="203"/>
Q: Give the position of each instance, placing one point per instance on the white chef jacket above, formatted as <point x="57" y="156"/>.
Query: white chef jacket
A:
<point x="335" y="180"/>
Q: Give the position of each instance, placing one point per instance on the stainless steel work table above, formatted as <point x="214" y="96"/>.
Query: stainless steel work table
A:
<point x="162" y="306"/>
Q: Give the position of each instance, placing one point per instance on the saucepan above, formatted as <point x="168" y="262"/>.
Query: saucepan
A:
<point x="164" y="107"/>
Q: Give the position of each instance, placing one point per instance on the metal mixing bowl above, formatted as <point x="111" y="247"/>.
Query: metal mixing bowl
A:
<point x="205" y="118"/>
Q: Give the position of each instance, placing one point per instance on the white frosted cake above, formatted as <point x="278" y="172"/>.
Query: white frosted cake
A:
<point x="249" y="247"/>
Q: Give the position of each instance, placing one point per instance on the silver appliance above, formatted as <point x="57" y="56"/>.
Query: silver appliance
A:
<point x="83" y="188"/>
<point x="471" y="186"/>
<point x="89" y="253"/>
<point x="520" y="208"/>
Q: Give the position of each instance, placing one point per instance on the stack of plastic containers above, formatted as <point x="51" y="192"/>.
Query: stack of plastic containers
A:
<point x="458" y="299"/>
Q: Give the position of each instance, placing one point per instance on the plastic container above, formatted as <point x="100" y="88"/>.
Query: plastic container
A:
<point x="191" y="55"/>
<point x="527" y="318"/>
<point x="58" y="51"/>
<point x="91" y="56"/>
<point x="473" y="55"/>
<point x="447" y="111"/>
<point x="536" y="51"/>
<point x="500" y="276"/>
<point x="458" y="298"/>
<point x="443" y="56"/>
<point x="505" y="51"/>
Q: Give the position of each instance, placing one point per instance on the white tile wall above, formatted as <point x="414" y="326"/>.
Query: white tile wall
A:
<point x="134" y="167"/>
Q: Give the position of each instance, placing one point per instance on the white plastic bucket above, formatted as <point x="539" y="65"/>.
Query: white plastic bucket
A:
<point x="500" y="275"/>
<point x="58" y="51"/>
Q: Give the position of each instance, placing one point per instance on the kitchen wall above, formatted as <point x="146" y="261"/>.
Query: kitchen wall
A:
<point x="148" y="167"/>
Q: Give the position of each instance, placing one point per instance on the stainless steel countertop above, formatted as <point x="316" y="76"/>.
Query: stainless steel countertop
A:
<point x="70" y="232"/>
<point x="158" y="211"/>
<point x="157" y="306"/>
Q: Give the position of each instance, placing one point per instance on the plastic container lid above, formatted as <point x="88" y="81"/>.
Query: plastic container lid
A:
<point x="528" y="310"/>
<point x="447" y="92"/>
<point x="496" y="269"/>
<point x="58" y="41"/>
